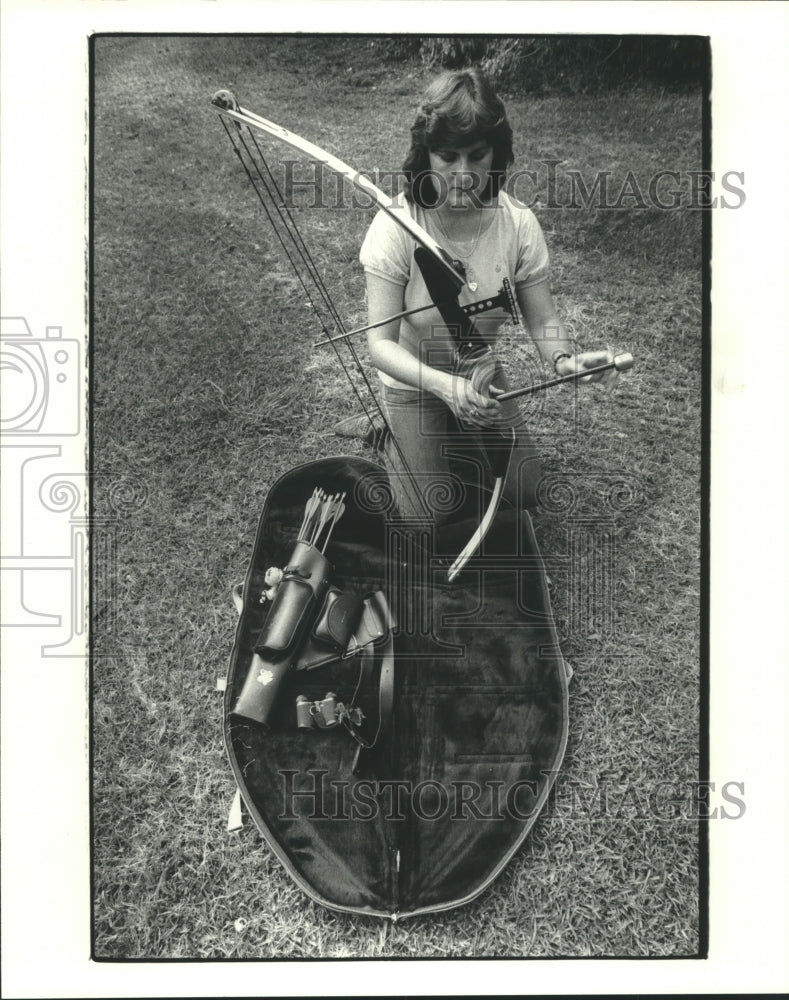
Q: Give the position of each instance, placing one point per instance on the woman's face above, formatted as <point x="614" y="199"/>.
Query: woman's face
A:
<point x="461" y="173"/>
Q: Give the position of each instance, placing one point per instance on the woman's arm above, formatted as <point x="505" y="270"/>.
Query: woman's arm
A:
<point x="385" y="298"/>
<point x="548" y="333"/>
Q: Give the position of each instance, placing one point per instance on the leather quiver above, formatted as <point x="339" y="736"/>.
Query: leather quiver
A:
<point x="299" y="593"/>
<point x="303" y="584"/>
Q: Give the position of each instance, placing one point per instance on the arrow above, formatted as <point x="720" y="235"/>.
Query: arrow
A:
<point x="622" y="363"/>
<point x="504" y="298"/>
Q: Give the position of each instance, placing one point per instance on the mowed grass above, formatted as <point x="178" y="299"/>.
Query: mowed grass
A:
<point x="206" y="388"/>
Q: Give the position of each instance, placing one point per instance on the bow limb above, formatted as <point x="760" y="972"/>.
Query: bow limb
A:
<point x="471" y="546"/>
<point x="225" y="103"/>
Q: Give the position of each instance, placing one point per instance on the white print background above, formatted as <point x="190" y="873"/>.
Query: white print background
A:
<point x="46" y="892"/>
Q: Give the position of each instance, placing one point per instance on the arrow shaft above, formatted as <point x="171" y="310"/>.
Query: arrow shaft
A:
<point x="503" y="298"/>
<point x="372" y="326"/>
<point x="527" y="390"/>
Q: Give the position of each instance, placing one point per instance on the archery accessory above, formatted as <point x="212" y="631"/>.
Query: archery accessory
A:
<point x="243" y="128"/>
<point x="323" y="516"/>
<point x="621" y="363"/>
<point x="310" y="623"/>
<point x="303" y="585"/>
<point x="345" y="625"/>
<point x="309" y="510"/>
<point x="444" y="276"/>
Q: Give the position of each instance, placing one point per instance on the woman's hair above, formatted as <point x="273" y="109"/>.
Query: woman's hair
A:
<point x="459" y="109"/>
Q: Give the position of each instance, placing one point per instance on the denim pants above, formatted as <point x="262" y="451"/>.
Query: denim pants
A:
<point x="428" y="451"/>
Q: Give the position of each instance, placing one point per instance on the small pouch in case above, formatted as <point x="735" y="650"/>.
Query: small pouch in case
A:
<point x="375" y="622"/>
<point x="345" y="624"/>
<point x="337" y="619"/>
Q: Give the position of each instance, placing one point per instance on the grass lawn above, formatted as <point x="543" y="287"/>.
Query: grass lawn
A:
<point x="206" y="388"/>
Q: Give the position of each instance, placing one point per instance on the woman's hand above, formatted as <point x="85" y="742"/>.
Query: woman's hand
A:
<point x="468" y="405"/>
<point x="589" y="359"/>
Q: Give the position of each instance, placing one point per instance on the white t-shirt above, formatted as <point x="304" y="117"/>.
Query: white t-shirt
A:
<point x="510" y="245"/>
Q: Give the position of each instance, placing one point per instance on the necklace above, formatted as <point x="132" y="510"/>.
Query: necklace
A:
<point x="472" y="284"/>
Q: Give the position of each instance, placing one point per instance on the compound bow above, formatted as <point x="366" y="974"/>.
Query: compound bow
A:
<point x="443" y="276"/>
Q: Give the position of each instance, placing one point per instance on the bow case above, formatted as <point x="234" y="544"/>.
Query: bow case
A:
<point x="449" y="791"/>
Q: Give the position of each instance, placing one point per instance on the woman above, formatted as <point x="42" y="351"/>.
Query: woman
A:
<point x="461" y="147"/>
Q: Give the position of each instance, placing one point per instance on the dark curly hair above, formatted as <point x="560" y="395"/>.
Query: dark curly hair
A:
<point x="459" y="108"/>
